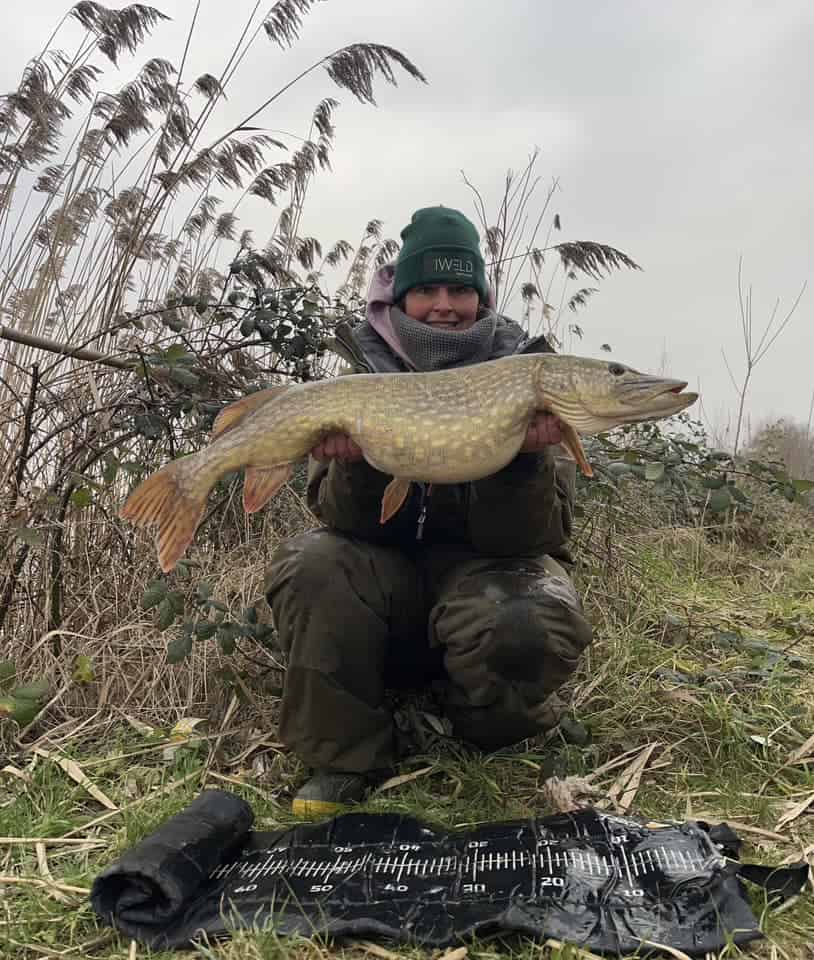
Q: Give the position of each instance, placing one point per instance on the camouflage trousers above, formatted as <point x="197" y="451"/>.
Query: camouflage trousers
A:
<point x="501" y="634"/>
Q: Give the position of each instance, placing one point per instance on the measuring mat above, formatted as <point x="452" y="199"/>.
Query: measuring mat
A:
<point x="602" y="882"/>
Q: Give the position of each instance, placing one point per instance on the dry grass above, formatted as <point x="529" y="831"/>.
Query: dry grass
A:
<point x="104" y="621"/>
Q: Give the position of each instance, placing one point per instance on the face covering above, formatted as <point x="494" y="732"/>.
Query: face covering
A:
<point x="431" y="349"/>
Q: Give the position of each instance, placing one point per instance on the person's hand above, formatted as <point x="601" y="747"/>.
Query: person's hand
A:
<point x="337" y="446"/>
<point x="544" y="430"/>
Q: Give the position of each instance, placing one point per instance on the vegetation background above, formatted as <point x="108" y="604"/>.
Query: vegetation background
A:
<point x="134" y="306"/>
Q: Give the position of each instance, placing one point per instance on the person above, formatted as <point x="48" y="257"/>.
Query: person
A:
<point x="466" y="588"/>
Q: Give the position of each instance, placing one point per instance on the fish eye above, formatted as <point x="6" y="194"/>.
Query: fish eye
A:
<point x="616" y="369"/>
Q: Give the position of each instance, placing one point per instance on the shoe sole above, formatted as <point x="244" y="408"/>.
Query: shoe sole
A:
<point x="316" y="808"/>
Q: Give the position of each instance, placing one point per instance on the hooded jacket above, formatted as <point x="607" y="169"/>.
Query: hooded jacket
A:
<point x="525" y="509"/>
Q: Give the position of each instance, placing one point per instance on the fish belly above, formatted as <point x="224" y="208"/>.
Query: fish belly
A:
<point x="440" y="449"/>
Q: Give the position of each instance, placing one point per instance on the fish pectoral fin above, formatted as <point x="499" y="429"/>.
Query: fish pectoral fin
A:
<point x="260" y="485"/>
<point x="395" y="493"/>
<point x="233" y="413"/>
<point x="572" y="443"/>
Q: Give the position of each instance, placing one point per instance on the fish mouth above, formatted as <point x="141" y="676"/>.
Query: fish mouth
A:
<point x="654" y="392"/>
<point x="677" y="390"/>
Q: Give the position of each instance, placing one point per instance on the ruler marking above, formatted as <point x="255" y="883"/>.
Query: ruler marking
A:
<point x="627" y="865"/>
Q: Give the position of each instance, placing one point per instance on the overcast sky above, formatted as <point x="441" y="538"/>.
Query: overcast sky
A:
<point x="680" y="133"/>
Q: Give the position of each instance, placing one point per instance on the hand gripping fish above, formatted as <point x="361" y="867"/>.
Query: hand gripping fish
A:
<point x="448" y="426"/>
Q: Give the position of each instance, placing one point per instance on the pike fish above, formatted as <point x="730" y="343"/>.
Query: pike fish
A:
<point x="449" y="426"/>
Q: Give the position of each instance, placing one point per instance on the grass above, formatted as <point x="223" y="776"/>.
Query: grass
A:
<point x="688" y="630"/>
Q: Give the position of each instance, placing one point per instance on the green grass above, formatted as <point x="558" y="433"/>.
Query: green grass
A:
<point x="684" y="656"/>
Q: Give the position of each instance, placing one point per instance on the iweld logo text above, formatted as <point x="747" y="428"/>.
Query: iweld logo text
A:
<point x="461" y="267"/>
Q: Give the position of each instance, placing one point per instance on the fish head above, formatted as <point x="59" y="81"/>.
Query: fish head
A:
<point x="598" y="395"/>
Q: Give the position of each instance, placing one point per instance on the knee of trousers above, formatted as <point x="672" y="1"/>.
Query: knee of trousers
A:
<point x="335" y="601"/>
<point x="303" y="574"/>
<point x="524" y="631"/>
<point x="537" y="641"/>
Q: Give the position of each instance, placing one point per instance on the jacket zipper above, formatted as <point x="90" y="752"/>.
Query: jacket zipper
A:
<point x="426" y="492"/>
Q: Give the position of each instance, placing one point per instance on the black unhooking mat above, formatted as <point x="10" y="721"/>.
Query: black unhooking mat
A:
<point x="605" y="883"/>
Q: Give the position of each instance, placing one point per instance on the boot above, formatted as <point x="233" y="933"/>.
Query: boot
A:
<point x="328" y="792"/>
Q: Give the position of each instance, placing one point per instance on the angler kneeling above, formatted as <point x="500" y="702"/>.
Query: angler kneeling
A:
<point x="465" y="590"/>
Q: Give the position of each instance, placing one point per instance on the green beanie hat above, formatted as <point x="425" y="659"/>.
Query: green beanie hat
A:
<point x="439" y="245"/>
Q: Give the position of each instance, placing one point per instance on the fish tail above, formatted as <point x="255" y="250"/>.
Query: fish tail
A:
<point x="174" y="506"/>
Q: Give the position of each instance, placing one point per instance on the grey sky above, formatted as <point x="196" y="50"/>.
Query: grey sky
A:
<point x="680" y="133"/>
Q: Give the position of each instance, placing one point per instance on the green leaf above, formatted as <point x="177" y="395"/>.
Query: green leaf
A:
<point x="719" y="500"/>
<point x="738" y="494"/>
<point x="177" y="353"/>
<point x="176" y="599"/>
<point x="36" y="690"/>
<point x="250" y="615"/>
<point x="227" y="636"/>
<point x="28" y="535"/>
<point x="149" y="425"/>
<point x="713" y="483"/>
<point x="631" y="457"/>
<point x="266" y="634"/>
<point x="619" y="469"/>
<point x="297" y="346"/>
<point x="802" y="486"/>
<point x="110" y="470"/>
<point x="204" y="629"/>
<point x="83" y="669"/>
<point x="166" y="613"/>
<point x="80" y="480"/>
<point x="81" y="497"/>
<point x="653" y="471"/>
<point x="8" y="673"/>
<point x="22" y="711"/>
<point x="204" y="590"/>
<point x="154" y="594"/>
<point x="179" y="648"/>
<point x="185" y="377"/>
<point x="247" y="326"/>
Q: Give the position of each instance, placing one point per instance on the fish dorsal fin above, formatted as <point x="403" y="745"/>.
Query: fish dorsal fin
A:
<point x="572" y="443"/>
<point x="233" y="413"/>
